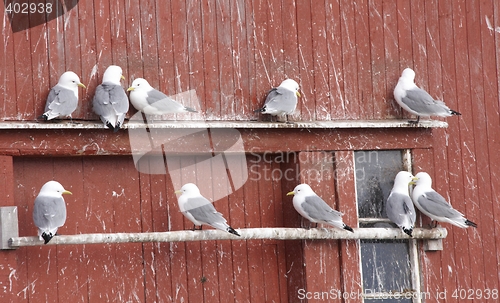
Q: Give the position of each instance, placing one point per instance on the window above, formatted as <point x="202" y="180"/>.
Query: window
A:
<point x="389" y="268"/>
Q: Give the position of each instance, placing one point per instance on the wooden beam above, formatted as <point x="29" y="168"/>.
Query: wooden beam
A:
<point x="246" y="234"/>
<point x="8" y="225"/>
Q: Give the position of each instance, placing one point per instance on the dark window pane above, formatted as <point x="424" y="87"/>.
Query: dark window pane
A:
<point x="385" y="265"/>
<point x="375" y="172"/>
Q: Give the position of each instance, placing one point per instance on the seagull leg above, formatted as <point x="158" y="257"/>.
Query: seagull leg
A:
<point x="415" y="122"/>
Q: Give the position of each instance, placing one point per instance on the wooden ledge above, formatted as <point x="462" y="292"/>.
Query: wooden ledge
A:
<point x="335" y="124"/>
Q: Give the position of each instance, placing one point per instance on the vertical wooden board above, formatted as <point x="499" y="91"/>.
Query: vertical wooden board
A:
<point x="149" y="47"/>
<point x="476" y="161"/>
<point x="41" y="263"/>
<point x="8" y="100"/>
<point x="320" y="256"/>
<point x="349" y="59"/>
<point x="40" y="75"/>
<point x="270" y="262"/>
<point x="405" y="43"/>
<point x="72" y="40"/>
<point x="180" y="46"/>
<point x="121" y="55"/>
<point x="334" y="53"/>
<point x="126" y="218"/>
<point x="432" y="50"/>
<point x="275" y="41"/>
<point x="239" y="248"/>
<point x="88" y="59"/>
<point x="23" y="75"/>
<point x="99" y="219"/>
<point x="9" y="279"/>
<point x="458" y="180"/>
<point x="392" y="58"/>
<point x="418" y="26"/>
<point x="381" y="99"/>
<point x="320" y="61"/>
<point x="196" y="64"/>
<point x="290" y="41"/>
<point x="261" y="81"/>
<point x="244" y="102"/>
<point x="70" y="261"/>
<point x="55" y="40"/>
<point x="431" y="273"/>
<point x="490" y="78"/>
<point x="165" y="48"/>
<point x="225" y="59"/>
<point x="346" y="194"/>
<point x="306" y="62"/>
<point x="211" y="63"/>
<point x="365" y="92"/>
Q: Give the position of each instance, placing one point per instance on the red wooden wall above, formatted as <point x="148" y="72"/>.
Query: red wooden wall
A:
<point x="346" y="56"/>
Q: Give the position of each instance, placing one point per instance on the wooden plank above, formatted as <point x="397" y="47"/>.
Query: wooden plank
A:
<point x="381" y="97"/>
<point x="240" y="59"/>
<point x="321" y="258"/>
<point x="100" y="142"/>
<point x="71" y="263"/>
<point x="394" y="66"/>
<point x="39" y="65"/>
<point x="23" y="76"/>
<point x="306" y="61"/>
<point x="345" y="185"/>
<point x="89" y="58"/>
<point x="211" y="67"/>
<point x="334" y="51"/>
<point x="8" y="100"/>
<point x="490" y="209"/>
<point x="364" y="99"/>
<point x="8" y="259"/>
<point x="36" y="174"/>
<point x="322" y="101"/>
<point x="349" y="59"/>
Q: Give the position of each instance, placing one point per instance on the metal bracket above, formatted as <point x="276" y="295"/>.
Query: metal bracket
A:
<point x="9" y="227"/>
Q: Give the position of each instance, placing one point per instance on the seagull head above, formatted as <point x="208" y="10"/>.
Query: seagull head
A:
<point x="113" y="74"/>
<point x="140" y="84"/>
<point x="302" y="190"/>
<point x="422" y="179"/>
<point x="53" y="188"/>
<point x="290" y="84"/>
<point x="189" y="189"/>
<point x="70" y="80"/>
<point x="408" y="74"/>
<point x="403" y="178"/>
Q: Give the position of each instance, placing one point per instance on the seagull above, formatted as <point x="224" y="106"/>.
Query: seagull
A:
<point x="416" y="100"/>
<point x="312" y="207"/>
<point x="281" y="100"/>
<point x="110" y="100"/>
<point x="200" y="210"/>
<point x="432" y="204"/>
<point x="49" y="212"/>
<point x="63" y="97"/>
<point x="399" y="207"/>
<point x="153" y="102"/>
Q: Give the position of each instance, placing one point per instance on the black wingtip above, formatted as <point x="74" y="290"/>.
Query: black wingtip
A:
<point x="348" y="228"/>
<point x="232" y="231"/>
<point x="408" y="231"/>
<point x="470" y="223"/>
<point x="260" y="110"/>
<point x="47" y="237"/>
<point x="44" y="117"/>
<point x="455" y="113"/>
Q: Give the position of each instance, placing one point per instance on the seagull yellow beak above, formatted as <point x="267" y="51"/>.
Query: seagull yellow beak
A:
<point x="178" y="191"/>
<point x="122" y="77"/>
<point x="290" y="193"/>
<point x="130" y="89"/>
<point x="81" y="85"/>
<point x="67" y="192"/>
<point x="298" y="94"/>
<point x="412" y="182"/>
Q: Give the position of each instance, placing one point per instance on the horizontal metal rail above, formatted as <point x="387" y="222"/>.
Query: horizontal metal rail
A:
<point x="246" y="234"/>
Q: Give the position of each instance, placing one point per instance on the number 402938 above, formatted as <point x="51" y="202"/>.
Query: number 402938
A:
<point x="479" y="294"/>
<point x="29" y="8"/>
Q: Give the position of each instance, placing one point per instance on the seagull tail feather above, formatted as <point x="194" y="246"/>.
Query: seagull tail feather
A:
<point x="453" y="112"/>
<point x="408" y="231"/>
<point x="232" y="231"/>
<point x="46" y="237"/>
<point x="346" y="227"/>
<point x="470" y="223"/>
